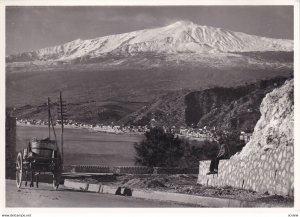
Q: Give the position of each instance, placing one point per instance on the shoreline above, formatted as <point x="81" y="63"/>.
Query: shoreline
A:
<point x="114" y="133"/>
<point x="80" y="128"/>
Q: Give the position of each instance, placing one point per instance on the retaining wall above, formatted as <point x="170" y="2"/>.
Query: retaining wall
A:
<point x="271" y="171"/>
<point x="129" y="169"/>
<point x="89" y="169"/>
<point x="165" y="170"/>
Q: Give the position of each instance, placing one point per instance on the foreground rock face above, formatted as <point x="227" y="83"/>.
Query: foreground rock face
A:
<point x="266" y="164"/>
<point x="276" y="126"/>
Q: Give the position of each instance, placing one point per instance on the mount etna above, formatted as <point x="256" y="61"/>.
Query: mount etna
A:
<point x="126" y="77"/>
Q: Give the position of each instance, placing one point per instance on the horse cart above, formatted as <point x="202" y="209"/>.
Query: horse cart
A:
<point x="42" y="156"/>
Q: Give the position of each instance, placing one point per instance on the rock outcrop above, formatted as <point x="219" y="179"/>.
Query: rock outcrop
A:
<point x="266" y="164"/>
<point x="276" y="126"/>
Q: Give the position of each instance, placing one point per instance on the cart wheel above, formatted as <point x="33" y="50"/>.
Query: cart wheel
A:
<point x="19" y="169"/>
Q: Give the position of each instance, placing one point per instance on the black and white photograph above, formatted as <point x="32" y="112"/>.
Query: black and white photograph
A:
<point x="149" y="106"/>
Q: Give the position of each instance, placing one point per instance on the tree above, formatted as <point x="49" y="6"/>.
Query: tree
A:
<point x="159" y="149"/>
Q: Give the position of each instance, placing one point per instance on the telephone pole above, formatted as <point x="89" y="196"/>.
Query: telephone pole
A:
<point x="49" y="116"/>
<point x="63" y="116"/>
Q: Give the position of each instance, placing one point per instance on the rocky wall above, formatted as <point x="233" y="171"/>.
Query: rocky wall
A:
<point x="271" y="171"/>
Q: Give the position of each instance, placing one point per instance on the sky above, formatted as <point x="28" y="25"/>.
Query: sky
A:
<point x="31" y="28"/>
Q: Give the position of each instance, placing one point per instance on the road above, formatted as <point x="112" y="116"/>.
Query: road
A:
<point x="45" y="196"/>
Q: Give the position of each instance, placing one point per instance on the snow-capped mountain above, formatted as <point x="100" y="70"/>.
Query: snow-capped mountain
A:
<point x="178" y="38"/>
<point x="107" y="78"/>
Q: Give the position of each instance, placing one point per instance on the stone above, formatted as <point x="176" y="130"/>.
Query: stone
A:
<point x="284" y="153"/>
<point x="280" y="157"/>
<point x="266" y="166"/>
<point x="292" y="169"/>
<point x="242" y="164"/>
<point x="254" y="186"/>
<point x="285" y="190"/>
<point x="282" y="165"/>
<point x="279" y="173"/>
<point x="270" y="160"/>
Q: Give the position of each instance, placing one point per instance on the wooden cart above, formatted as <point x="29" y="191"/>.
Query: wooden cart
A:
<point x="42" y="156"/>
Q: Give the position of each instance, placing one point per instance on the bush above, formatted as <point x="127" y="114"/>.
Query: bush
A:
<point x="159" y="149"/>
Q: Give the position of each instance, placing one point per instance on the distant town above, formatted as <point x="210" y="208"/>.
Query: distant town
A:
<point x="204" y="133"/>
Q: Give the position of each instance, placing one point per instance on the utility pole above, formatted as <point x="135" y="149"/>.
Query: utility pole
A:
<point x="49" y="116"/>
<point x="62" y="126"/>
<point x="62" y="112"/>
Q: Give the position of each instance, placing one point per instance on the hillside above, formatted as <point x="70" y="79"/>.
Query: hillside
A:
<point x="226" y="108"/>
<point x="231" y="108"/>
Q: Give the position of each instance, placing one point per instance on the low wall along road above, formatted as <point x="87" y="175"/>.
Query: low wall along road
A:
<point x="129" y="169"/>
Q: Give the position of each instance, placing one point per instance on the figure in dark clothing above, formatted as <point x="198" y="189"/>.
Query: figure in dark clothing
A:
<point x="223" y="154"/>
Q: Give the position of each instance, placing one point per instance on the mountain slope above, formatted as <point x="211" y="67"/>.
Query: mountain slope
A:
<point x="231" y="108"/>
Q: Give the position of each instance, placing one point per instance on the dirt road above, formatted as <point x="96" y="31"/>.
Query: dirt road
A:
<point x="44" y="196"/>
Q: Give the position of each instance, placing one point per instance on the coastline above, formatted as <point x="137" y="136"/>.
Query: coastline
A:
<point x="83" y="128"/>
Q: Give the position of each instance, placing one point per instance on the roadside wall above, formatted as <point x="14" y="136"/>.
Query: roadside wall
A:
<point x="271" y="171"/>
<point x="129" y="169"/>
